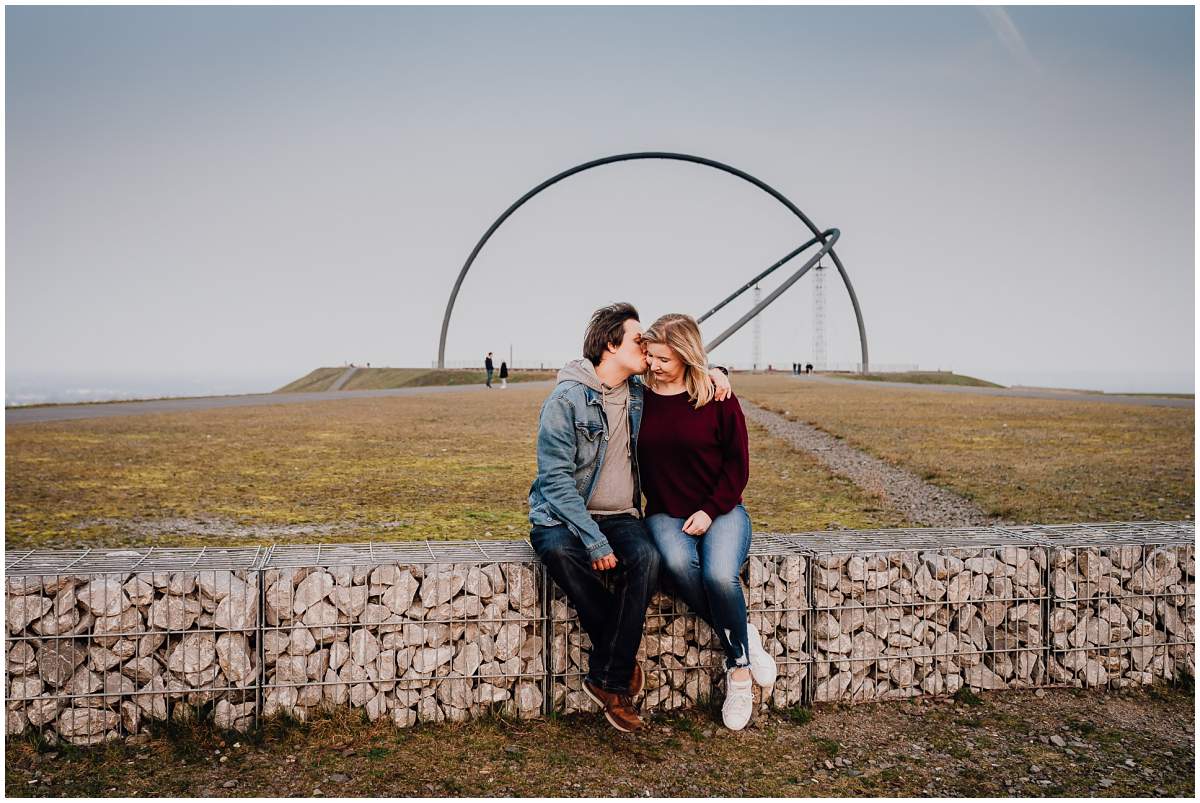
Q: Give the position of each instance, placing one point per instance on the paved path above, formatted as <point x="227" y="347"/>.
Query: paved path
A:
<point x="69" y="412"/>
<point x="1025" y="393"/>
<point x="921" y="502"/>
<point x="341" y="381"/>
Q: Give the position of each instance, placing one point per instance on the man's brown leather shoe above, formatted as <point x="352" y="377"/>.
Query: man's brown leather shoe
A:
<point x="618" y="708"/>
<point x="637" y="681"/>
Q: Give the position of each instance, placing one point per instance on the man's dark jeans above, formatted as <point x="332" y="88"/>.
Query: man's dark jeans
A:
<point x="613" y="619"/>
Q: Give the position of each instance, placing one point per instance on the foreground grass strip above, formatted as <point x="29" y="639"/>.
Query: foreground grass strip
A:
<point x="1026" y="460"/>
<point x="443" y="467"/>
<point x="1131" y="743"/>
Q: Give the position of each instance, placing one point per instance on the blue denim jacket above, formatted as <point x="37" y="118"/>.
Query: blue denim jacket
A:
<point x="572" y="439"/>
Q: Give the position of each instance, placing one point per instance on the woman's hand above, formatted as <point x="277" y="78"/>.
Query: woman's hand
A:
<point x="721" y="383"/>
<point x="697" y="523"/>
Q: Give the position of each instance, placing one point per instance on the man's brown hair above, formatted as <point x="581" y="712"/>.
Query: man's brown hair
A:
<point x="607" y="326"/>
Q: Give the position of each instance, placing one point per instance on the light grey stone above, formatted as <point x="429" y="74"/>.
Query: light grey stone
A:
<point x="103" y="597"/>
<point x="57" y="660"/>
<point x="428" y="659"/>
<point x="221" y="584"/>
<point x="311" y="590"/>
<point x="194" y="653"/>
<point x="351" y="601"/>
<point x="21" y="658"/>
<point x="508" y="640"/>
<point x="439" y="587"/>
<point x="364" y="647"/>
<point x="20" y="612"/>
<point x="86" y="721"/>
<point x="174" y="612"/>
<point x="400" y="594"/>
<point x="237" y="612"/>
<point x="233" y="656"/>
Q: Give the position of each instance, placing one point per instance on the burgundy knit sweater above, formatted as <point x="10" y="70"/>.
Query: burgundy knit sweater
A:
<point x="692" y="459"/>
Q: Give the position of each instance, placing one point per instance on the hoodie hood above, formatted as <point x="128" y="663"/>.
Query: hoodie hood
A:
<point x="581" y="370"/>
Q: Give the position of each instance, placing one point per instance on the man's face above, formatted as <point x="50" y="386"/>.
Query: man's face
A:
<point x="630" y="355"/>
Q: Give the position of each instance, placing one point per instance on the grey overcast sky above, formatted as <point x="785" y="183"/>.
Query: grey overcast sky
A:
<point x="234" y="196"/>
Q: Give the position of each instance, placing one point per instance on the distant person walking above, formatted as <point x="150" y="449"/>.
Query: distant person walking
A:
<point x="503" y="375"/>
<point x="487" y="365"/>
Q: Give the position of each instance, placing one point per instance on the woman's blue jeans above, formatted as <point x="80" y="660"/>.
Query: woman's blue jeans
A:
<point x="704" y="571"/>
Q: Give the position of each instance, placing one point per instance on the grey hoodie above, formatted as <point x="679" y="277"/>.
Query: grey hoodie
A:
<point x="613" y="492"/>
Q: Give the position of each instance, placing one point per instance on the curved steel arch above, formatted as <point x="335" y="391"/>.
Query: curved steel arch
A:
<point x="678" y="157"/>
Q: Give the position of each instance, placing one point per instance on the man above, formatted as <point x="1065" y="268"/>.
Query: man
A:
<point x="487" y="365"/>
<point x="585" y="504"/>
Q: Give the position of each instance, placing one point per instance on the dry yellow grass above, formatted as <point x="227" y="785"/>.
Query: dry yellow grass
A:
<point x="443" y="466"/>
<point x="1030" y="460"/>
<point x="918" y="748"/>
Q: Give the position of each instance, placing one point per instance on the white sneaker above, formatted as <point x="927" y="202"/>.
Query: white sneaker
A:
<point x="739" y="701"/>
<point x="762" y="665"/>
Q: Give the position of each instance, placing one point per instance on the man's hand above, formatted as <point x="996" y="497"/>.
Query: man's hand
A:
<point x="605" y="563"/>
<point x="721" y="383"/>
<point x="697" y="523"/>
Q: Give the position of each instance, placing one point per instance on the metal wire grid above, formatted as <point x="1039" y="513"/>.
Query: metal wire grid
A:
<point x="1122" y="601"/>
<point x="153" y="559"/>
<point x="402" y="553"/>
<point x="917" y="617"/>
<point x="680" y="655"/>
<point x="417" y="640"/>
<point x="169" y="643"/>
<point x="122" y="639"/>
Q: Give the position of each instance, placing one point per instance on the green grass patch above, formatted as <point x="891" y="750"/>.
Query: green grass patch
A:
<point x="964" y="696"/>
<point x="828" y="747"/>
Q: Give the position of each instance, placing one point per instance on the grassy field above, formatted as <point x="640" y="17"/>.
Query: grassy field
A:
<point x="1137" y="743"/>
<point x="443" y="467"/>
<point x="1030" y="460"/>
<point x="923" y="378"/>
<point x="459" y="465"/>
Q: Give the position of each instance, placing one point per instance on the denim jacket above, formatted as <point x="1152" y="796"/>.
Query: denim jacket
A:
<point x="572" y="439"/>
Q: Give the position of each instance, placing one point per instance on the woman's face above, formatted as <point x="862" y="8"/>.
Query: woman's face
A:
<point x="664" y="363"/>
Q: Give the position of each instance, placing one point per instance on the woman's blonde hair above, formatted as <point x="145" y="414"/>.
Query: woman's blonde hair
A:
<point x="682" y="335"/>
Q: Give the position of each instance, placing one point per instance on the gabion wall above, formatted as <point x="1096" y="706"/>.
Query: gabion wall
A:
<point x="97" y="643"/>
<point x="681" y="656"/>
<point x="1123" y="603"/>
<point x="906" y="613"/>
<point x="400" y="631"/>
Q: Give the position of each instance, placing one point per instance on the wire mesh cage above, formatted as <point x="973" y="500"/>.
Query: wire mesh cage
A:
<point x="1122" y="601"/>
<point x="680" y="654"/>
<point x="915" y="612"/>
<point x="99" y="642"/>
<point x="423" y="632"/>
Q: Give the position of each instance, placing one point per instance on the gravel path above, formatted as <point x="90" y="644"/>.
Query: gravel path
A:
<point x="920" y="502"/>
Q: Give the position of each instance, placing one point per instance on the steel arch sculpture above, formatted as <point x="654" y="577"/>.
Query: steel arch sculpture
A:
<point x="827" y="238"/>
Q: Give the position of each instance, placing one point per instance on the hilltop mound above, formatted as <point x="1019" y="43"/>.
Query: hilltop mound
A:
<point x="925" y="378"/>
<point x="323" y="379"/>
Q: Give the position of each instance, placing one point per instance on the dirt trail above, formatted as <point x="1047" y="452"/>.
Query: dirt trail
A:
<point x="900" y="489"/>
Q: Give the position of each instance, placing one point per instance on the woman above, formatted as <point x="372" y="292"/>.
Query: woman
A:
<point x="695" y="461"/>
